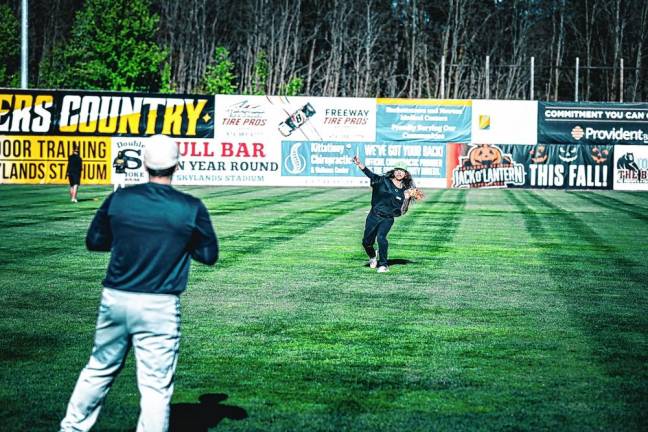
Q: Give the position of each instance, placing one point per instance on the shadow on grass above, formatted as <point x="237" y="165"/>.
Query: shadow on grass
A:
<point x="397" y="261"/>
<point x="200" y="417"/>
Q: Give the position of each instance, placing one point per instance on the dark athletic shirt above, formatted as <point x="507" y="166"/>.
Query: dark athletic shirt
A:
<point x="153" y="231"/>
<point x="74" y="165"/>
<point x="386" y="199"/>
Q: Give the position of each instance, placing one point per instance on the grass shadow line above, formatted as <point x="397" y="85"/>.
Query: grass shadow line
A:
<point x="613" y="204"/>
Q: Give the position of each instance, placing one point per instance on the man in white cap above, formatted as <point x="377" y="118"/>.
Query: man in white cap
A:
<point x="152" y="231"/>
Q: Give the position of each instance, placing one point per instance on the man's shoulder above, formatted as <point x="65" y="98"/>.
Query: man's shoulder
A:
<point x="168" y="190"/>
<point x="190" y="199"/>
<point x="146" y="196"/>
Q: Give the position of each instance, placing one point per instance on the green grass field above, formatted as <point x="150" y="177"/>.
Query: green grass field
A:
<point x="504" y="311"/>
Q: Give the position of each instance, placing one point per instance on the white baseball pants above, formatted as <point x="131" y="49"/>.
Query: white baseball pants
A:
<point x="151" y="324"/>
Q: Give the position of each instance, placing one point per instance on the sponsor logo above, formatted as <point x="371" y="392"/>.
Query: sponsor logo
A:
<point x="484" y="122"/>
<point x="631" y="169"/>
<point x="615" y="134"/>
<point x="296" y="120"/>
<point x="244" y="113"/>
<point x="346" y="116"/>
<point x="486" y="166"/>
<point x="627" y="162"/>
<point x="295" y="163"/>
<point x="127" y="159"/>
<point x="128" y="165"/>
<point x="577" y="133"/>
<point x="245" y="109"/>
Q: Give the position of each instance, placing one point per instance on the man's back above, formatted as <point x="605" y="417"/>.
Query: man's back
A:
<point x="153" y="231"/>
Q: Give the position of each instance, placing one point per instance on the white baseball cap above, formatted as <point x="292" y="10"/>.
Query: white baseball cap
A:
<point x="160" y="152"/>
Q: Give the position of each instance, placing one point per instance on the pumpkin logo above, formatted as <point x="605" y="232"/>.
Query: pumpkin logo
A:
<point x="486" y="166"/>
<point x="568" y="153"/>
<point x="600" y="156"/>
<point x="485" y="155"/>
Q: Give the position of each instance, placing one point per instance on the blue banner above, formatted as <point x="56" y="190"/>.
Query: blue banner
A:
<point x="320" y="158"/>
<point x="407" y="120"/>
<point x="308" y="158"/>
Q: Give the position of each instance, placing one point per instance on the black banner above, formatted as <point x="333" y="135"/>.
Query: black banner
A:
<point x="592" y="123"/>
<point x="43" y="112"/>
<point x="545" y="166"/>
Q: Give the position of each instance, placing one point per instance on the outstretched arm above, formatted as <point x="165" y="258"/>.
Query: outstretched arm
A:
<point x="358" y="162"/>
<point x="373" y="177"/>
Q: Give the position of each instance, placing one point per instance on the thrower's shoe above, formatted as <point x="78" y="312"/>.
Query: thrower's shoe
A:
<point x="373" y="262"/>
<point x="383" y="269"/>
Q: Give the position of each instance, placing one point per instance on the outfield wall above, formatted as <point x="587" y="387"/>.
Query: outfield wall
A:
<point x="310" y="141"/>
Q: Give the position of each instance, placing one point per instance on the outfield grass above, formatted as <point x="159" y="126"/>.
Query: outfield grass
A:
<point x="505" y="310"/>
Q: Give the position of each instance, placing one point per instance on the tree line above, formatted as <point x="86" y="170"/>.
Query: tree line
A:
<point x="360" y="48"/>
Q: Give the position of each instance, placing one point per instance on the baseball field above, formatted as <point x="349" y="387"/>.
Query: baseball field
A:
<point x="504" y="310"/>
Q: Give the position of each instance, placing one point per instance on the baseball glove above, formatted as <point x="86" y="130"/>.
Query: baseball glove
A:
<point x="416" y="194"/>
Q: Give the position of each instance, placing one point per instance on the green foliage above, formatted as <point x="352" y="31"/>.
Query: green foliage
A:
<point x="9" y="47"/>
<point x="112" y="47"/>
<point x="293" y="87"/>
<point x="166" y="86"/>
<point x="219" y="77"/>
<point x="261" y="72"/>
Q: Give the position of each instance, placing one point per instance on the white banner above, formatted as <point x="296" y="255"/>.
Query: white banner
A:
<point x="504" y="122"/>
<point x="630" y="167"/>
<point x="126" y="161"/>
<point x="253" y="136"/>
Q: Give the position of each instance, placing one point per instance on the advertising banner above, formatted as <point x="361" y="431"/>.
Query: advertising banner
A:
<point x="311" y="141"/>
<point x="592" y="123"/>
<point x="504" y="122"/>
<point x="127" y="165"/>
<point x="40" y="128"/>
<point x="431" y="120"/>
<point x="297" y="118"/>
<point x="27" y="159"/>
<point x="425" y="161"/>
<point x="58" y="113"/>
<point x="631" y="168"/>
<point x="277" y="140"/>
<point x="532" y="166"/>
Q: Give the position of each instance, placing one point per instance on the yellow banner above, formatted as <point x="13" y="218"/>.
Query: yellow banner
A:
<point x="44" y="159"/>
<point x="401" y="101"/>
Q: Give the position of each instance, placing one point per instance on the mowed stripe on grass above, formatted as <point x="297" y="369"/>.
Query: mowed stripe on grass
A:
<point x="487" y="321"/>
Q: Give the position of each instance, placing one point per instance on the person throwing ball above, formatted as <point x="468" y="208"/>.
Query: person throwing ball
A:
<point x="390" y="198"/>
